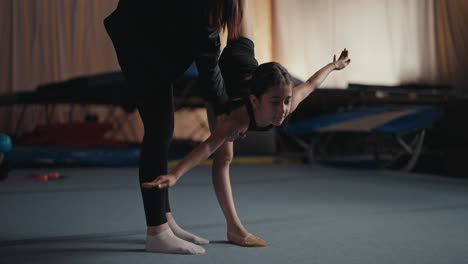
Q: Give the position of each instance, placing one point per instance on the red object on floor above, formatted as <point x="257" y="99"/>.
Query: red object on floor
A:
<point x="53" y="176"/>
<point x="36" y="177"/>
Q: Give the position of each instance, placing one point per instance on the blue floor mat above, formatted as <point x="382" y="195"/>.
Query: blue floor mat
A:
<point x="53" y="155"/>
<point x="30" y="156"/>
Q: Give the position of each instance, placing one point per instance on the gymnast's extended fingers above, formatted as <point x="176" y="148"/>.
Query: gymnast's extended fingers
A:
<point x="155" y="183"/>
<point x="343" y="54"/>
<point x="164" y="182"/>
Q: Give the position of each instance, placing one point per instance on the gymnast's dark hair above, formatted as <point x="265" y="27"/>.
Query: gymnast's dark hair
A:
<point x="268" y="75"/>
<point x="227" y="14"/>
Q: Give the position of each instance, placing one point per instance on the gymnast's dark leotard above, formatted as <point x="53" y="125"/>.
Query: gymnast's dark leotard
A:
<point x="239" y="102"/>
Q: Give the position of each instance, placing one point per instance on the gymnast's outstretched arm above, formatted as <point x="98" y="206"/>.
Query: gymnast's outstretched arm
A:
<point x="303" y="90"/>
<point x="202" y="152"/>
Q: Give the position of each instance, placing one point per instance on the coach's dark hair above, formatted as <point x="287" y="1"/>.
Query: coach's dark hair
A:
<point x="227" y="14"/>
<point x="268" y="75"/>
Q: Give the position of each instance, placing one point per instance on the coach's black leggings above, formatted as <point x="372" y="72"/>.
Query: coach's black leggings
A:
<point x="157" y="114"/>
<point x="156" y="110"/>
<point x="149" y="86"/>
<point x="158" y="120"/>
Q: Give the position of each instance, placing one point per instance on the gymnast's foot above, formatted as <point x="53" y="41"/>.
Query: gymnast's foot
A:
<point x="245" y="239"/>
<point x="187" y="236"/>
<point x="167" y="242"/>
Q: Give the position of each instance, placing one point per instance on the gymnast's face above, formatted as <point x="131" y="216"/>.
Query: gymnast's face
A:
<point x="273" y="106"/>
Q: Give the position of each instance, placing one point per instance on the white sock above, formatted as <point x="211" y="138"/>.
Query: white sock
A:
<point x="181" y="233"/>
<point x="167" y="242"/>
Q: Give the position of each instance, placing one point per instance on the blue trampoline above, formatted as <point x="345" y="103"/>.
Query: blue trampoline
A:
<point x="405" y="124"/>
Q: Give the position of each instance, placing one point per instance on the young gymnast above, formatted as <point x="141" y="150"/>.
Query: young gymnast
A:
<point x="262" y="97"/>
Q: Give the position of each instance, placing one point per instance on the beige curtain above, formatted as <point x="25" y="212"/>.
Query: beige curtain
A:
<point x="55" y="40"/>
<point x="262" y="29"/>
<point x="51" y="41"/>
<point x="390" y="41"/>
<point x="452" y="42"/>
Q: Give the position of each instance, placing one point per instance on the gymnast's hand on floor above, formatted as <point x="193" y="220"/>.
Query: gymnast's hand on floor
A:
<point x="163" y="181"/>
<point x="342" y="61"/>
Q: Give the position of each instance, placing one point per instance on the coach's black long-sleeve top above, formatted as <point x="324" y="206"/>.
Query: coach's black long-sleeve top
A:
<point x="175" y="33"/>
